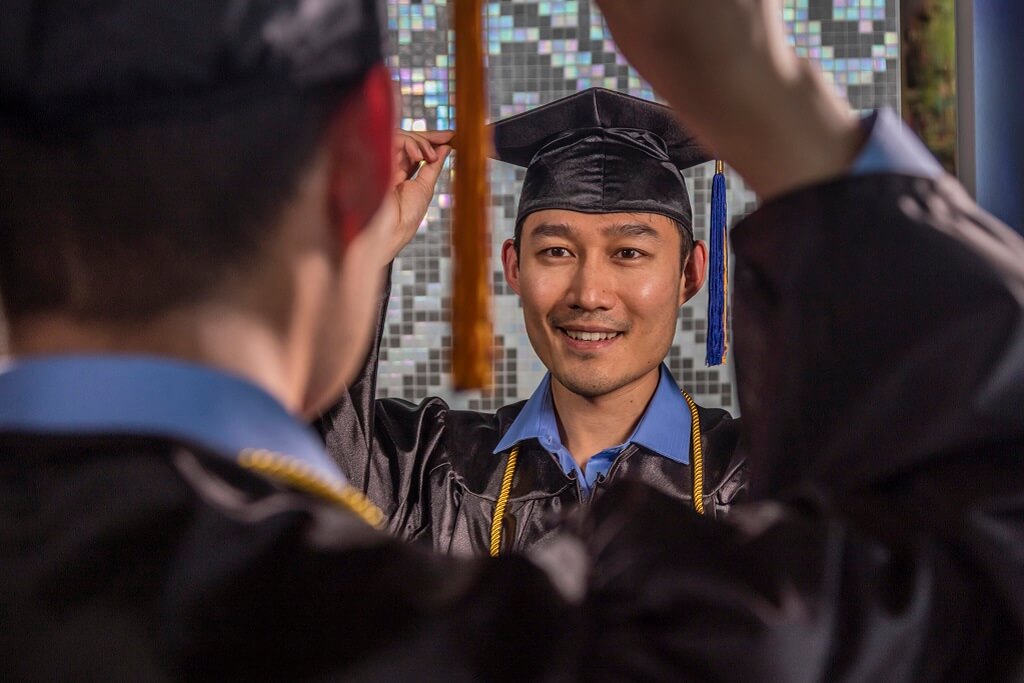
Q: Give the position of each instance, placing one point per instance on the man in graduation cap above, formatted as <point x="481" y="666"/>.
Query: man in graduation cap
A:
<point x="602" y="257"/>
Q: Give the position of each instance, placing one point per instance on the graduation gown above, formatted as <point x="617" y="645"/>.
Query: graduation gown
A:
<point x="147" y="559"/>
<point x="434" y="472"/>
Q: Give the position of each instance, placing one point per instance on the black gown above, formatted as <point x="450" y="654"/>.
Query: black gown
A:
<point x="884" y="541"/>
<point x="434" y="473"/>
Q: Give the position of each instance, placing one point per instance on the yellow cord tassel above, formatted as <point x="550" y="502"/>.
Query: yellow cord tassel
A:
<point x="499" y="507"/>
<point x="297" y="474"/>
<point x="472" y="337"/>
<point x="697" y="459"/>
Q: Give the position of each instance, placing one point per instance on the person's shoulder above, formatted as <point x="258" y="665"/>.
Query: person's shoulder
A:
<point x="189" y="555"/>
<point x="499" y="420"/>
<point x="479" y="431"/>
<point x="721" y="429"/>
<point x="471" y="439"/>
<point x="190" y="497"/>
<point x="726" y="470"/>
<point x="717" y="418"/>
<point x="115" y="461"/>
<point x="119" y="479"/>
<point x="853" y="199"/>
<point x="435" y="406"/>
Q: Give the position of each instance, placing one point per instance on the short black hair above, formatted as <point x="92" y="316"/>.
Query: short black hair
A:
<point x="122" y="223"/>
<point x="685" y="237"/>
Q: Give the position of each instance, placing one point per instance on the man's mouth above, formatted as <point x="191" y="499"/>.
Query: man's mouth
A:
<point x="586" y="336"/>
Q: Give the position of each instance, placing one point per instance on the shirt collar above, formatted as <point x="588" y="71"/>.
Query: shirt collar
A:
<point x="148" y="396"/>
<point x="535" y="421"/>
<point x="891" y="147"/>
<point x="664" y="427"/>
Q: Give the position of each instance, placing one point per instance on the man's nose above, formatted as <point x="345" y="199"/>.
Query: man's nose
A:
<point x="592" y="286"/>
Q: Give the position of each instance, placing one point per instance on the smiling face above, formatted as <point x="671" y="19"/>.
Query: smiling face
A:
<point x="600" y="294"/>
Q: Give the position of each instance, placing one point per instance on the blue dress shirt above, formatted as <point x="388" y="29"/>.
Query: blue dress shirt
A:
<point x="664" y="428"/>
<point x="150" y="396"/>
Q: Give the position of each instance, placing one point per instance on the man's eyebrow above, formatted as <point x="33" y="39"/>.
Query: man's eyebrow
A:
<point x="631" y="230"/>
<point x="562" y="230"/>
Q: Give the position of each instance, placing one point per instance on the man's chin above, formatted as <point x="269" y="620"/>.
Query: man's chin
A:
<point x="589" y="384"/>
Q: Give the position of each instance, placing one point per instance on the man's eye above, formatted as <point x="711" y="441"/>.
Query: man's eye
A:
<point x="555" y="252"/>
<point x="629" y="254"/>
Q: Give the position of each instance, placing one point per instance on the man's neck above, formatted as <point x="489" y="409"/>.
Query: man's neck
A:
<point x="589" y="425"/>
<point x="218" y="337"/>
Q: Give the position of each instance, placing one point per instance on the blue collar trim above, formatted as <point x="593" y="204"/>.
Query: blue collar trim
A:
<point x="149" y="396"/>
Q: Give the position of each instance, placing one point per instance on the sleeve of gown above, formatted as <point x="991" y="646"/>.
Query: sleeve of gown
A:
<point x="386" y="447"/>
<point x="878" y="323"/>
<point x="879" y="326"/>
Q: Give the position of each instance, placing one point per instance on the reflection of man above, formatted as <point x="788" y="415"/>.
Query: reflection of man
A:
<point x="603" y="257"/>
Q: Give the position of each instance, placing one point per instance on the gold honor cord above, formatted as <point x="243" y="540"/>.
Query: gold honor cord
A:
<point x="697" y="491"/>
<point x="502" y="503"/>
<point x="298" y="474"/>
<point x="513" y="457"/>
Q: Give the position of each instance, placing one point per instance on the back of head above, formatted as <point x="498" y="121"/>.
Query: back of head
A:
<point x="149" y="147"/>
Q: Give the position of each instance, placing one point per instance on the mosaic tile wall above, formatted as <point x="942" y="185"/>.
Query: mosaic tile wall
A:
<point x="540" y="51"/>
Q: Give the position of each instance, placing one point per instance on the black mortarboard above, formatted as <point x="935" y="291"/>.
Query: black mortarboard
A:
<point x="128" y="60"/>
<point x="600" y="151"/>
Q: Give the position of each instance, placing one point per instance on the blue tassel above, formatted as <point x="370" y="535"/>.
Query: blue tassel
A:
<point x="718" y="275"/>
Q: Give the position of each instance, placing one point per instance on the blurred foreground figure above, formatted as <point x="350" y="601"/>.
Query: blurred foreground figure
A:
<point x="188" y="266"/>
<point x="879" y="327"/>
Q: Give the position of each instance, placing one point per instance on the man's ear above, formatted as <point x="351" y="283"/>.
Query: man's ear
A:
<point x="694" y="271"/>
<point x="360" y="156"/>
<point x="510" y="262"/>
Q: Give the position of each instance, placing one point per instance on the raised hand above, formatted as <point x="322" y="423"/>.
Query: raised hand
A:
<point x="726" y="68"/>
<point x="419" y="158"/>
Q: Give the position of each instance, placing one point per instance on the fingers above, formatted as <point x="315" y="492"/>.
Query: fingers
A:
<point x="430" y="171"/>
<point x="398" y="177"/>
<point x="438" y="137"/>
<point x="411" y="148"/>
<point x="422" y="146"/>
<point x="419" y="158"/>
<point x="414" y="152"/>
<point x="409" y="154"/>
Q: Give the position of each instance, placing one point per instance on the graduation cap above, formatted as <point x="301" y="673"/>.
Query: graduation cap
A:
<point x="601" y="151"/>
<point x="109" y="62"/>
